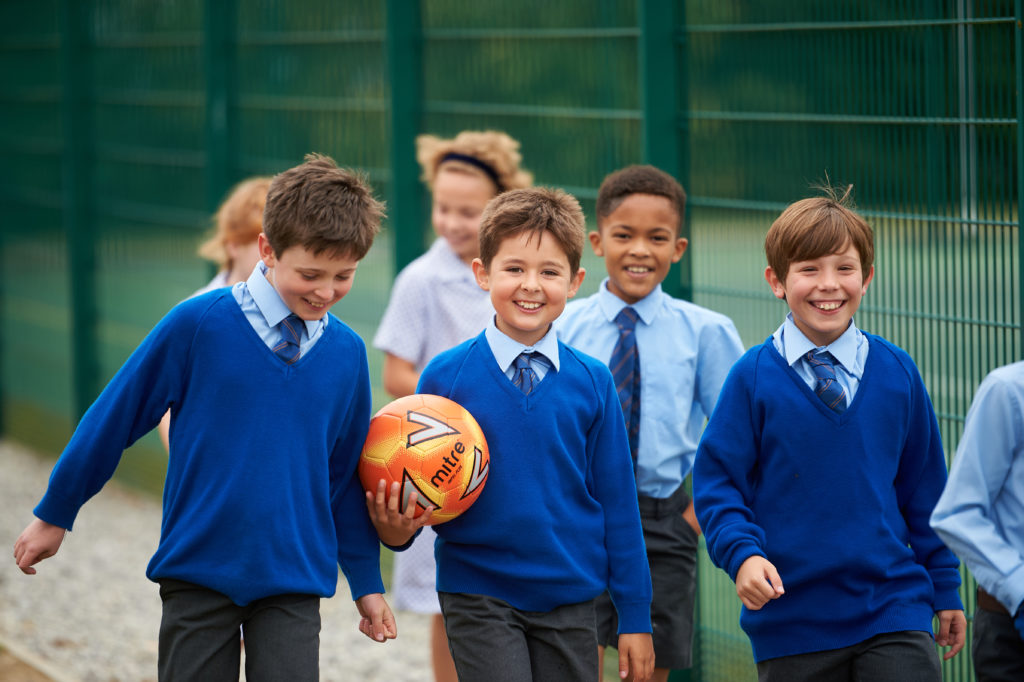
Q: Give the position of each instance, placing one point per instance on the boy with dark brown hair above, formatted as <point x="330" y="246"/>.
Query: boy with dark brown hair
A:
<point x="269" y="397"/>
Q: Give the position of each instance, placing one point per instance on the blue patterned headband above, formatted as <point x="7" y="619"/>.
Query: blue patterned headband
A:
<point x="487" y="168"/>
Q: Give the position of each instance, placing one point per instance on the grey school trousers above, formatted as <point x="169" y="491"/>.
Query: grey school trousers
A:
<point x="199" y="636"/>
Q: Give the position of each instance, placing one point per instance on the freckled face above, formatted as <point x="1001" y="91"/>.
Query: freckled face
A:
<point x="823" y="293"/>
<point x="529" y="283"/>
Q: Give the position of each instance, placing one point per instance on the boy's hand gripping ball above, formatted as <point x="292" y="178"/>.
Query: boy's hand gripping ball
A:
<point x="430" y="445"/>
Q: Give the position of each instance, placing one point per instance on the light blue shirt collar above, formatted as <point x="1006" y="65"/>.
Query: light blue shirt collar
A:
<point x="270" y="303"/>
<point x="506" y="349"/>
<point x="611" y="305"/>
<point x="843" y="349"/>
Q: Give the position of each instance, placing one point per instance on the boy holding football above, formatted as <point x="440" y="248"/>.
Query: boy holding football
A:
<point x="681" y="356"/>
<point x="557" y="523"/>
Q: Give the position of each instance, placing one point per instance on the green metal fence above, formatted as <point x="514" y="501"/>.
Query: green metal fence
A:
<point x="125" y="122"/>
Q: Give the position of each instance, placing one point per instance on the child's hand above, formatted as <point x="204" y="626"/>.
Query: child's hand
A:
<point x="40" y="540"/>
<point x="377" y="622"/>
<point x="394" y="527"/>
<point x="636" y="656"/>
<point x="757" y="582"/>
<point x="952" y="631"/>
<point x="691" y="518"/>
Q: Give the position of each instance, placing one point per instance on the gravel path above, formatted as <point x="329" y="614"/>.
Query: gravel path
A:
<point x="92" y="615"/>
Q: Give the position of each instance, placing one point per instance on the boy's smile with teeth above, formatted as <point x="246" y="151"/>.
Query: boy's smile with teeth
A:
<point x="528" y="264"/>
<point x="639" y="241"/>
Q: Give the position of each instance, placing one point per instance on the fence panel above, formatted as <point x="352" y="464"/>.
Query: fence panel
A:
<point x="125" y="122"/>
<point x="913" y="104"/>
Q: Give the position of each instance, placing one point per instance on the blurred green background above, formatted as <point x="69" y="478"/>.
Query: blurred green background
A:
<point x="125" y="122"/>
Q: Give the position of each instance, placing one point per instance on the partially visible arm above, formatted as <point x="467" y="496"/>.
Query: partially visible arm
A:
<point x="952" y="631"/>
<point x="130" y="406"/>
<point x="395" y="527"/>
<point x="758" y="582"/>
<point x="40" y="540"/>
<point x="636" y="656"/>
<point x="377" y="622"/>
<point x="920" y="478"/>
<point x="164" y="427"/>
<point x="723" y="474"/>
<point x="989" y="465"/>
<point x="357" y="543"/>
<point x="399" y="376"/>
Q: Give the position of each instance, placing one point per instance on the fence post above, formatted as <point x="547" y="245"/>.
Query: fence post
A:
<point x="221" y="124"/>
<point x="77" y="189"/>
<point x="405" y="73"/>
<point x="663" y="92"/>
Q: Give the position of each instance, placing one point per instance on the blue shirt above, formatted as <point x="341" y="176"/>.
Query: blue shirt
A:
<point x="507" y="349"/>
<point x="264" y="308"/>
<point x="980" y="515"/>
<point x="686" y="352"/>
<point x="850" y="351"/>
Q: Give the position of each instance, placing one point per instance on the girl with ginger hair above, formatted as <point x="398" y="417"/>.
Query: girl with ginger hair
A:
<point x="237" y="224"/>
<point x="436" y="304"/>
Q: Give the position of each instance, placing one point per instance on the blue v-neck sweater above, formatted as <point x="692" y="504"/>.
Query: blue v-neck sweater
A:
<point x="261" y="496"/>
<point x="838" y="503"/>
<point x="557" y="522"/>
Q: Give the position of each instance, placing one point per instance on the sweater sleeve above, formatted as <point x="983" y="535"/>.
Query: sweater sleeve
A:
<point x="629" y="581"/>
<point x="358" y="544"/>
<point x="919" y="482"/>
<point x="130" y="406"/>
<point x="724" y="472"/>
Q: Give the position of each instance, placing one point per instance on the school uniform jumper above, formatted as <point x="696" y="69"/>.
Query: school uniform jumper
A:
<point x="839" y="503"/>
<point x="557" y="522"/>
<point x="261" y="496"/>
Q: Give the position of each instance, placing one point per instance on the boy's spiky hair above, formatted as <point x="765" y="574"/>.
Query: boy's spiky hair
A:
<point x="321" y="207"/>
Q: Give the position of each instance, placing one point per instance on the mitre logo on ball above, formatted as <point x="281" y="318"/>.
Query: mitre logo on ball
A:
<point x="431" y="446"/>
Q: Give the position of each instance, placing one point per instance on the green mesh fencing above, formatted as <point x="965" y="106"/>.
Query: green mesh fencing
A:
<point x="125" y="122"/>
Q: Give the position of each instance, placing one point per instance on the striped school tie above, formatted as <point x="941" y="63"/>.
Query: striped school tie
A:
<point x="625" y="366"/>
<point x="524" y="378"/>
<point x="827" y="386"/>
<point x="291" y="333"/>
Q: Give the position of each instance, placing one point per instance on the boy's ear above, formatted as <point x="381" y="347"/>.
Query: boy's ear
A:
<point x="483" y="280"/>
<point x="778" y="287"/>
<point x="595" y="243"/>
<point x="266" y="252"/>
<point x="867" y="280"/>
<point x="574" y="284"/>
<point x="680" y="248"/>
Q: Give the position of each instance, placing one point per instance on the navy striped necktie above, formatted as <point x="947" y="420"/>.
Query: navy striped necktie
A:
<point x="625" y="366"/>
<point x="291" y="335"/>
<point x="827" y="387"/>
<point x="524" y="378"/>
